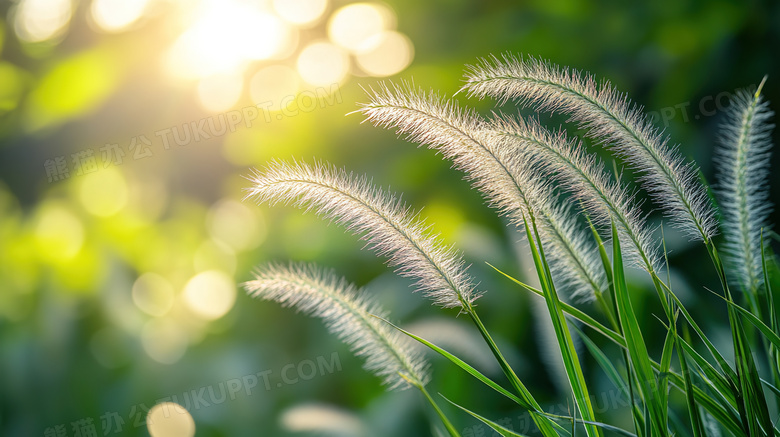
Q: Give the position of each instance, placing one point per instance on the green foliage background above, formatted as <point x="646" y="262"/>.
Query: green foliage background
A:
<point x="65" y="351"/>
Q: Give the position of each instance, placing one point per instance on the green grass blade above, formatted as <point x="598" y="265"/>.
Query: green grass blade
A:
<point x="572" y="311"/>
<point x="727" y="370"/>
<point x="697" y="426"/>
<point x="568" y="352"/>
<point x="753" y="407"/>
<point x="545" y="426"/>
<point x="609" y="369"/>
<point x="721" y="406"/>
<point x="756" y="413"/>
<point x="465" y="366"/>
<point x="771" y="386"/>
<point x="773" y="351"/>
<point x="666" y="364"/>
<point x="714" y="379"/>
<point x="535" y="411"/>
<point x="768" y="332"/>
<point x="447" y="424"/>
<point x="500" y="429"/>
<point x="603" y="361"/>
<point x="635" y="343"/>
<point x="725" y="416"/>
<point x="608" y="307"/>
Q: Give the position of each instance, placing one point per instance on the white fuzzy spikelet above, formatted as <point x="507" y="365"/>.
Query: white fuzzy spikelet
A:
<point x="348" y="315"/>
<point x="611" y="119"/>
<point x="570" y="250"/>
<point x="458" y="134"/>
<point x="383" y="220"/>
<point x="583" y="175"/>
<point x="742" y="160"/>
<point x="503" y="176"/>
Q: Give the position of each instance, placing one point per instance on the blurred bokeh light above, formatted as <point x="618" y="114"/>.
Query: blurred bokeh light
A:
<point x="41" y="20"/>
<point x="168" y="419"/>
<point x="117" y="15"/>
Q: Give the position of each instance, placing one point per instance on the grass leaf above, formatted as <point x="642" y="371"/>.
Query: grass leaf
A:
<point x="568" y="351"/>
<point x="637" y="351"/>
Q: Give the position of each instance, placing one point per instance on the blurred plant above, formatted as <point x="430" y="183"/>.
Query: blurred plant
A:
<point x="544" y="182"/>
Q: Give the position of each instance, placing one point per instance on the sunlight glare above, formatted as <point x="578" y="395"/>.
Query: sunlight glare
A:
<point x="117" y="15"/>
<point x="274" y="85"/>
<point x="225" y="36"/>
<point x="392" y="53"/>
<point x="323" y="419"/>
<point x="220" y="92"/>
<point x="323" y="63"/>
<point x="41" y="20"/>
<point x="353" y="26"/>
<point x="300" y="12"/>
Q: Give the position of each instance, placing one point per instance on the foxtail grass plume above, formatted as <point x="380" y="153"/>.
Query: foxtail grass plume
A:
<point x="742" y="160"/>
<point x="611" y="119"/>
<point x="347" y="314"/>
<point x="504" y="177"/>
<point x="383" y="220"/>
<point x="566" y="160"/>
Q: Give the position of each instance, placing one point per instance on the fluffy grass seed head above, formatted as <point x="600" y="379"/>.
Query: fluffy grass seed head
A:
<point x="742" y="160"/>
<point x="388" y="226"/>
<point x="458" y="134"/>
<point x="611" y="119"/>
<point x="349" y="315"/>
<point x="505" y="178"/>
<point x="583" y="175"/>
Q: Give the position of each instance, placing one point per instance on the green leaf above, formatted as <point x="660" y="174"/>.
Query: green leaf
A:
<point x="693" y="409"/>
<point x="730" y="375"/>
<point x="768" y="332"/>
<point x="506" y="432"/>
<point x="463" y="365"/>
<point x="603" y="361"/>
<point x="773" y="352"/>
<point x="752" y="403"/>
<point x="608" y="307"/>
<point x="572" y="311"/>
<point x="637" y="351"/>
<point x="535" y="411"/>
<point x="666" y="363"/>
<point x="545" y="426"/>
<point x="715" y="381"/>
<point x="568" y="352"/>
<point x="447" y="424"/>
<point x="499" y="428"/>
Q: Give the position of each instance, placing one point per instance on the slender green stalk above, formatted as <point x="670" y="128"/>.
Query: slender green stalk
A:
<point x="772" y="350"/>
<point x="637" y="351"/>
<point x="447" y="424"/>
<point x="752" y="403"/>
<point x="568" y="352"/>
<point x="544" y="424"/>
